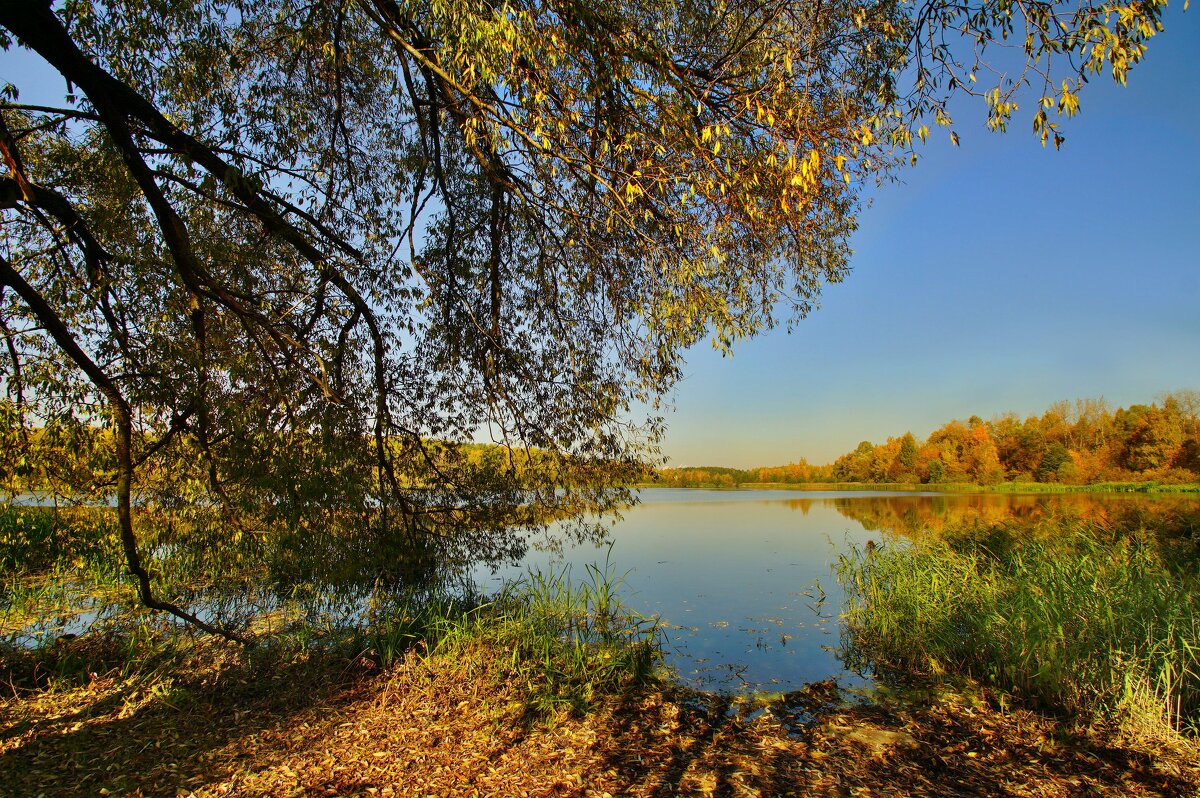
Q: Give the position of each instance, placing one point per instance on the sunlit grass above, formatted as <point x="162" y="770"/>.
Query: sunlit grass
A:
<point x="569" y="640"/>
<point x="1084" y="621"/>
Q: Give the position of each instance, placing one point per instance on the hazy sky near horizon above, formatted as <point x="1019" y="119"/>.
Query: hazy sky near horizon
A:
<point x="998" y="276"/>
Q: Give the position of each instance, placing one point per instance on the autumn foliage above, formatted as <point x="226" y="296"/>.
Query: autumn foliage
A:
<point x="1076" y="443"/>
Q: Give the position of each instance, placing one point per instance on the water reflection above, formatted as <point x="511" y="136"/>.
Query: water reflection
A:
<point x="64" y="566"/>
<point x="742" y="580"/>
<point x="922" y="515"/>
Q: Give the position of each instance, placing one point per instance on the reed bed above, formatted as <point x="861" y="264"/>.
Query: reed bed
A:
<point x="1083" y="621"/>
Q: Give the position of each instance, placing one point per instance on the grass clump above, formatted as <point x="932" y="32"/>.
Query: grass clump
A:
<point x="1084" y="622"/>
<point x="569" y="642"/>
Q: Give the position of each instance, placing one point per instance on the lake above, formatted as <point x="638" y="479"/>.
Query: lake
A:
<point x="742" y="580"/>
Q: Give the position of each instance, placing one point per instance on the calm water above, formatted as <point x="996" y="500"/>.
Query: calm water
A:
<point x="743" y="582"/>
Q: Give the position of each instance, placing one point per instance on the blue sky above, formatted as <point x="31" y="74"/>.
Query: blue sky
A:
<point x="998" y="276"/>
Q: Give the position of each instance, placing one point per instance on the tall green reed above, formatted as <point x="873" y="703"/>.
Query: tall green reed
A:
<point x="1086" y="622"/>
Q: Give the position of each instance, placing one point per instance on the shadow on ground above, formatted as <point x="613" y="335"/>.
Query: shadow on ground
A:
<point x="463" y="727"/>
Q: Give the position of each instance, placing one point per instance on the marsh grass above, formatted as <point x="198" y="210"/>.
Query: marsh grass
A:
<point x="566" y="640"/>
<point x="1071" y="616"/>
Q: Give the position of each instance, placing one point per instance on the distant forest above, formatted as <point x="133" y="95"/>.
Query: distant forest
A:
<point x="1079" y="443"/>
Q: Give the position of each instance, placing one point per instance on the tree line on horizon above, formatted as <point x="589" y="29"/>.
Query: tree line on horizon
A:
<point x="1079" y="443"/>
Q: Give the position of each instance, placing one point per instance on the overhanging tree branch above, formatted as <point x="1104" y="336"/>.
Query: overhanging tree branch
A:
<point x="123" y="418"/>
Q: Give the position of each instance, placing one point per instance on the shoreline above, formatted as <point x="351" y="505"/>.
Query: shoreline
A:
<point x="949" y="488"/>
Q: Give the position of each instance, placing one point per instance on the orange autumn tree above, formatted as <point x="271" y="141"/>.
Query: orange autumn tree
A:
<point x="1082" y="442"/>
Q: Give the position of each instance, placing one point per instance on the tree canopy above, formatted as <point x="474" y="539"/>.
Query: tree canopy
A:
<point x="289" y="254"/>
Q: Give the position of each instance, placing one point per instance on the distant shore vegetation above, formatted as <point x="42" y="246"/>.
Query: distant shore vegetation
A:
<point x="1081" y="443"/>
